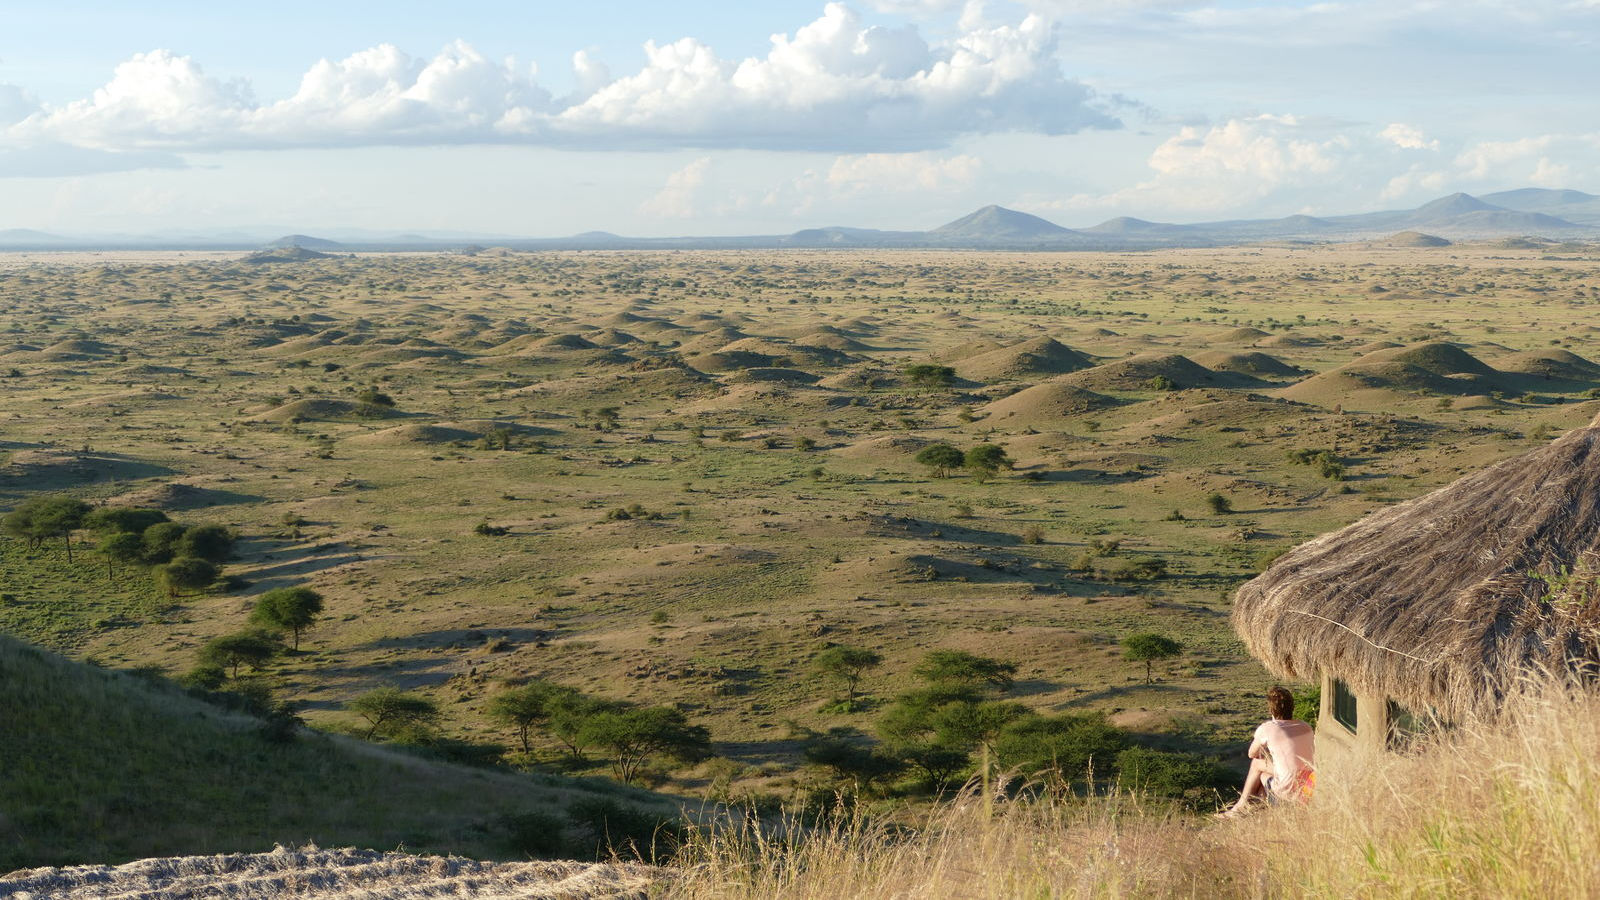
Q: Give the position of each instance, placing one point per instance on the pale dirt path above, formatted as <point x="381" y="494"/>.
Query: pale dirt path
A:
<point x="344" y="874"/>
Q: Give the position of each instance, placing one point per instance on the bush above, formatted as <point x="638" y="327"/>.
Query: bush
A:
<point x="1178" y="776"/>
<point x="186" y="573"/>
<point x="536" y="834"/>
<point x="625" y="831"/>
<point x="1137" y="568"/>
<point x="1219" y="504"/>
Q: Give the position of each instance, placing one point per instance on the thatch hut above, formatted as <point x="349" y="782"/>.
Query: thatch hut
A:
<point x="1434" y="607"/>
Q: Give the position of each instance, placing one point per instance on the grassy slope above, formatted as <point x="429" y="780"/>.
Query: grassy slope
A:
<point x="100" y="766"/>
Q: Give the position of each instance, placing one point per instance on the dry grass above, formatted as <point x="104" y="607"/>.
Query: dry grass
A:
<point x="1510" y="810"/>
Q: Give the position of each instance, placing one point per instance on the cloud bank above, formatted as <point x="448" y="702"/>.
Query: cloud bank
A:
<point x="833" y="85"/>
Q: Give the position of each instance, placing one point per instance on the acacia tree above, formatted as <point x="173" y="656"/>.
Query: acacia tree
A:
<point x="123" y="547"/>
<point x="186" y="573"/>
<point x="987" y="459"/>
<point x="634" y="735"/>
<point x="38" y="518"/>
<point x="958" y="668"/>
<point x="1147" y="647"/>
<point x="292" y="609"/>
<point x="847" y="664"/>
<point x="254" y="648"/>
<point x="392" y="709"/>
<point x="941" y="458"/>
<point x="528" y="705"/>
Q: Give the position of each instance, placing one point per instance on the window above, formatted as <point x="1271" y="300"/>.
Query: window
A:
<point x="1406" y="726"/>
<point x="1344" y="705"/>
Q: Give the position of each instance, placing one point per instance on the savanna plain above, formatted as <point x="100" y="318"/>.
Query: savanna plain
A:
<point x="706" y="482"/>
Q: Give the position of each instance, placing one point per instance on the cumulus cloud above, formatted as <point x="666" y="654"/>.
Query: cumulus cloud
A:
<point x="1408" y="137"/>
<point x="862" y="177"/>
<point x="1225" y="165"/>
<point x="834" y="84"/>
<point x="677" y="198"/>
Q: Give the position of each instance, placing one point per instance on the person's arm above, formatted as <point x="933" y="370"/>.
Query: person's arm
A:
<point x="1258" y="746"/>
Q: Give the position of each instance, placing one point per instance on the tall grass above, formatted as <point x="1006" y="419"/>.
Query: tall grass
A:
<point x="1510" y="809"/>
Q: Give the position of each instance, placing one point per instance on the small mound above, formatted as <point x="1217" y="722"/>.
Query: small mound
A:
<point x="1238" y="336"/>
<point x="1140" y="373"/>
<point x="1040" y="356"/>
<point x="892" y="445"/>
<point x="775" y="374"/>
<point x="1553" y="365"/>
<point x="1415" y="239"/>
<point x="729" y="361"/>
<point x="1435" y="368"/>
<point x="329" y="411"/>
<point x="1285" y="340"/>
<point x="1375" y="346"/>
<point x="180" y="496"/>
<point x="830" y="341"/>
<point x="1246" y="363"/>
<point x="713" y="340"/>
<point x="402" y="435"/>
<point x="611" y="337"/>
<point x="1051" y="400"/>
<point x="564" y="342"/>
<point x="284" y="255"/>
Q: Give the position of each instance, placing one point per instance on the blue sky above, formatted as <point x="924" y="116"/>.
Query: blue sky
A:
<point x="701" y="118"/>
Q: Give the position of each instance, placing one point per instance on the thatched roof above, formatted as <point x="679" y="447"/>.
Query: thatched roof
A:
<point x="1431" y="601"/>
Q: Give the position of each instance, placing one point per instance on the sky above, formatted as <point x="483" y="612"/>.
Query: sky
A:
<point x="647" y="118"/>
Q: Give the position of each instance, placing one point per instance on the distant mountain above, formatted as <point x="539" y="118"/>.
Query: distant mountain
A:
<point x="285" y="255"/>
<point x="1537" y="199"/>
<point x="27" y="237"/>
<point x="1447" y="207"/>
<point x="1535" y="213"/>
<point x="1130" y="225"/>
<point x="305" y="241"/>
<point x="996" y="223"/>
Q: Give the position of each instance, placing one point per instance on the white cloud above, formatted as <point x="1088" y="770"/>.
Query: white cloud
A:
<point x="901" y="172"/>
<point x="834" y="84"/>
<point x="1226" y="165"/>
<point x="1408" y="137"/>
<point x="677" y="198"/>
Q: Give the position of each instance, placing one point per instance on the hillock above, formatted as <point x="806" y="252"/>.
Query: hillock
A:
<point x="107" y="766"/>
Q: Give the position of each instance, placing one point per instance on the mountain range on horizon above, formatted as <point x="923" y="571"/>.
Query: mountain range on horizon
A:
<point x="1538" y="213"/>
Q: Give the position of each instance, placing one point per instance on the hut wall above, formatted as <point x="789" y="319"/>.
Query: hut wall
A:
<point x="1372" y="724"/>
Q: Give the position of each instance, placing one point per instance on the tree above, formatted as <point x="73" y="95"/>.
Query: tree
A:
<point x="958" y="668"/>
<point x="186" y="573"/>
<point x="291" y="609"/>
<point x="941" y="458"/>
<point x="930" y="375"/>
<point x="161" y="541"/>
<point x="1219" y="504"/>
<point x="634" y="735"/>
<point x="847" y="664"/>
<point x="1147" y="647"/>
<point x="120" y="547"/>
<point x="987" y="459"/>
<point x="392" y="710"/>
<point x="568" y="720"/>
<point x="38" y="518"/>
<point x="212" y="543"/>
<point x="528" y="705"/>
<point x="254" y="647"/>
<point x="845" y="751"/>
<point x="124" y="519"/>
<point x="1064" y="747"/>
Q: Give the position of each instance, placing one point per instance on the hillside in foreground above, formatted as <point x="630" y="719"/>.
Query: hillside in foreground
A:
<point x="103" y="767"/>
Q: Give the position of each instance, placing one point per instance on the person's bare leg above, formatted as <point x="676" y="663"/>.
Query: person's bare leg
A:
<point x="1252" y="786"/>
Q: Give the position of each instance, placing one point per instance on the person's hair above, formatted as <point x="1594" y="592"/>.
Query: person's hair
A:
<point x="1280" y="702"/>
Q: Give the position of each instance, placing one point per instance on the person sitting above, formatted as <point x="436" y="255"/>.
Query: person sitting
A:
<point x="1282" y="755"/>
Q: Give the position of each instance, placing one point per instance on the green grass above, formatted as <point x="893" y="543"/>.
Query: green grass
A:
<point x="102" y="766"/>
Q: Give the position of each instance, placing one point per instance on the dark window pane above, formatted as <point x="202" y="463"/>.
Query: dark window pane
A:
<point x="1344" y="705"/>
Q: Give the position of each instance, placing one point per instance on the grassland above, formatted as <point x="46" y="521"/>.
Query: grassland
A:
<point x="752" y="409"/>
